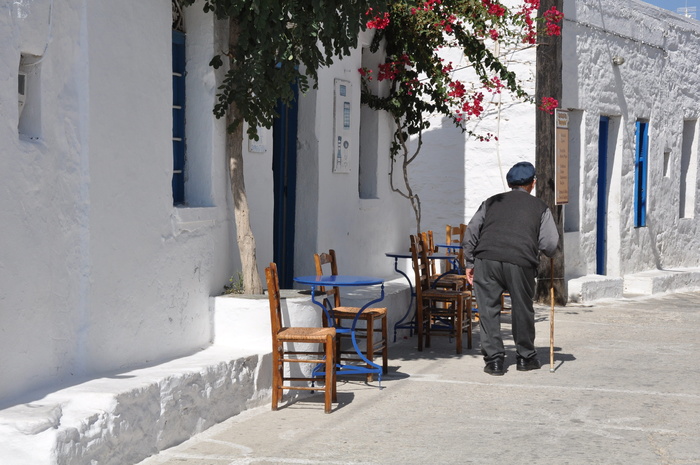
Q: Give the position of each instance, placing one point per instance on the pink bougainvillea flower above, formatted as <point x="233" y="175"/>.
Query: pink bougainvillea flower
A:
<point x="549" y="104"/>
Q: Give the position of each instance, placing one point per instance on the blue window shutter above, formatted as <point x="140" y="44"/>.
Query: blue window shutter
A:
<point x="178" y="183"/>
<point x="640" y="173"/>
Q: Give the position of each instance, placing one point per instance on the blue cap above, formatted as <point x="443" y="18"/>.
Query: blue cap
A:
<point x="521" y="174"/>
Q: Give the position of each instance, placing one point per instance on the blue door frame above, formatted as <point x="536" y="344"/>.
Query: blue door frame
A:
<point x="284" y="169"/>
<point x="602" y="208"/>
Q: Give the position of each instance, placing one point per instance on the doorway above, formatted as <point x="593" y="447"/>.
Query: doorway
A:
<point x="284" y="172"/>
<point x="602" y="206"/>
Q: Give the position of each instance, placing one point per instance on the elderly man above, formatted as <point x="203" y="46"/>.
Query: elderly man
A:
<point x="501" y="248"/>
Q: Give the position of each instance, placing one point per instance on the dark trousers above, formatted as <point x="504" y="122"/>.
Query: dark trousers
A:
<point x="491" y="279"/>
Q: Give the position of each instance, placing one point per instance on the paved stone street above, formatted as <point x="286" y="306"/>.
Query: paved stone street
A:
<point x="625" y="390"/>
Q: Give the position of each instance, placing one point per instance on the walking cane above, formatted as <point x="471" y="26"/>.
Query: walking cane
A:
<point x="551" y="317"/>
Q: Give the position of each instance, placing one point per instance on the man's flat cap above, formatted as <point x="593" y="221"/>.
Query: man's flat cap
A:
<point x="521" y="174"/>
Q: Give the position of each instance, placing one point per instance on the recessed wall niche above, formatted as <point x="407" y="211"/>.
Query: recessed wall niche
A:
<point x="29" y="97"/>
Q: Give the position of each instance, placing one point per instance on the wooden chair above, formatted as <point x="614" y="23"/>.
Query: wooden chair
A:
<point x="453" y="279"/>
<point x="282" y="335"/>
<point x="453" y="306"/>
<point x="376" y="339"/>
<point x="454" y="236"/>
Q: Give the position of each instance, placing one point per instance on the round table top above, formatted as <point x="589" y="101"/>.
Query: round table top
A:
<point x="338" y="280"/>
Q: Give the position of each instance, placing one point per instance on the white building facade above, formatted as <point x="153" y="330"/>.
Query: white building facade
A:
<point x="102" y="269"/>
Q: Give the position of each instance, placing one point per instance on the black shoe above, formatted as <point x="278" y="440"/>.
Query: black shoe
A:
<point x="494" y="368"/>
<point x="527" y="364"/>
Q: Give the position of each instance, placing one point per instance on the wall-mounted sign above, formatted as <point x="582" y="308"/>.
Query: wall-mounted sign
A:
<point x="561" y="157"/>
<point x="342" y="101"/>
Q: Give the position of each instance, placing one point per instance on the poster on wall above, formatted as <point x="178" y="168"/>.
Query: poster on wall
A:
<point x="561" y="158"/>
<point x="342" y="101"/>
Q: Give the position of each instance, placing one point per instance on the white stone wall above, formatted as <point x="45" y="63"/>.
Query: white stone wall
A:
<point x="99" y="271"/>
<point x="658" y="82"/>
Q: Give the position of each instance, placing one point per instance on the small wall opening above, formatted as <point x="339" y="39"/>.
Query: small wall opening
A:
<point x="689" y="168"/>
<point x="29" y="97"/>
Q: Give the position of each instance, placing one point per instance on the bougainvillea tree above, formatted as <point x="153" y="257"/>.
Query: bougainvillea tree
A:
<point x="415" y="34"/>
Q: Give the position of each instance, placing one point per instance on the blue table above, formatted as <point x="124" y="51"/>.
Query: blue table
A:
<point x="410" y="325"/>
<point x="347" y="281"/>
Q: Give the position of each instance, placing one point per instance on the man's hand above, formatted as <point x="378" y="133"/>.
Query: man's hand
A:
<point x="470" y="276"/>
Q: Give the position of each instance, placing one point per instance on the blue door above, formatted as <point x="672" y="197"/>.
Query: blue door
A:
<point x="641" y="156"/>
<point x="284" y="169"/>
<point x="602" y="208"/>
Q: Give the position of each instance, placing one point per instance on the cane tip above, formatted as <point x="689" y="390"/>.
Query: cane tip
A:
<point x="551" y="370"/>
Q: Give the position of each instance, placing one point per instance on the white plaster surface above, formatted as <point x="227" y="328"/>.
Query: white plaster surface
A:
<point x="100" y="272"/>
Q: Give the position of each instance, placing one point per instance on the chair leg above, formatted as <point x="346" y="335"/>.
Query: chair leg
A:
<point x="419" y="324"/>
<point x="458" y="324"/>
<point x="277" y="376"/>
<point x="329" y="391"/>
<point x="385" y="347"/>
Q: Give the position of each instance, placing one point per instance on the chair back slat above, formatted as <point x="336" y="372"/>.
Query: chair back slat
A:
<point x="421" y="266"/>
<point x="455" y="235"/>
<point x="273" y="291"/>
<point x="328" y="259"/>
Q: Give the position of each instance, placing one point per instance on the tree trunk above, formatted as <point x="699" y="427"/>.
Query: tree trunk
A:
<point x="244" y="234"/>
<point x="549" y="84"/>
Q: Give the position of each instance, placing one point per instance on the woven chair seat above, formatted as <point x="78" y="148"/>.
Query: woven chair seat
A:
<point x="305" y="334"/>
<point x="340" y="312"/>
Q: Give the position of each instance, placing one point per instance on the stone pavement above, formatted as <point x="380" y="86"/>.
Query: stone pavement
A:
<point x="625" y="390"/>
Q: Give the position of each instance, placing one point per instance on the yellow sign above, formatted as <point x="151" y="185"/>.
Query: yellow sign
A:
<point x="561" y="158"/>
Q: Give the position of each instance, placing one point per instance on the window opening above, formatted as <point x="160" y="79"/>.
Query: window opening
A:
<point x="29" y="97"/>
<point x="689" y="168"/>
<point x="369" y="143"/>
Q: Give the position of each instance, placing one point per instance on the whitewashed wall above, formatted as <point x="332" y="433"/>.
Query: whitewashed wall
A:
<point x="99" y="271"/>
<point x="330" y="212"/>
<point x="658" y="82"/>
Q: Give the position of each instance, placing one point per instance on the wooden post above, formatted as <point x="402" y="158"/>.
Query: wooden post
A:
<point x="549" y="84"/>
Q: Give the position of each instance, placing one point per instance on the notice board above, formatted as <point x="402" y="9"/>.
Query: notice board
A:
<point x="561" y="158"/>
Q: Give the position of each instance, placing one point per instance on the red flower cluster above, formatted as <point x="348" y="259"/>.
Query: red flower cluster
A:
<point x="427" y="6"/>
<point x="366" y="73"/>
<point x="377" y="22"/>
<point x="469" y="109"/>
<point x="391" y="69"/>
<point x="494" y="8"/>
<point x="458" y="89"/>
<point x="552" y="17"/>
<point x="447" y="24"/>
<point x="495" y="85"/>
<point x="549" y="104"/>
